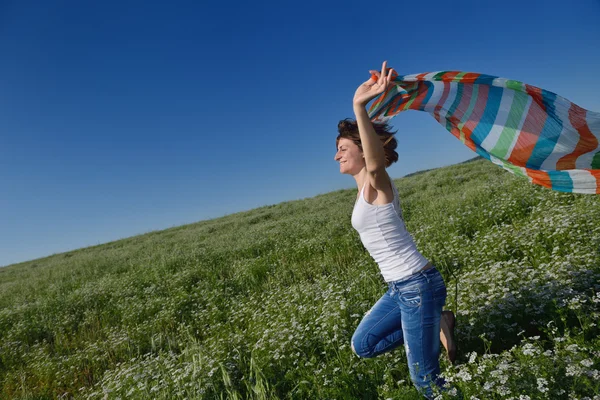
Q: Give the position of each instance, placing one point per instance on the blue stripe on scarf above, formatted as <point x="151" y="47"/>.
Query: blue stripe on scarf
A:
<point x="548" y="136"/>
<point x="561" y="181"/>
<point x="486" y="123"/>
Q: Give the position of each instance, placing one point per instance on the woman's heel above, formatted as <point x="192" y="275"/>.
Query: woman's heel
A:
<point x="447" y="334"/>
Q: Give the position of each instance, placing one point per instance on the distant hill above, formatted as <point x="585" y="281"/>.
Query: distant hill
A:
<point x="432" y="169"/>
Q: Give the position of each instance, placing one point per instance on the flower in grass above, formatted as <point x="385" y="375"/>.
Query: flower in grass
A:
<point x="464" y="375"/>
<point x="587" y="362"/>
<point x="542" y="385"/>
<point x="529" y="349"/>
<point x="472" y="357"/>
<point x="503" y="390"/>
<point x="573" y="370"/>
<point x="575" y="303"/>
<point x="573" y="348"/>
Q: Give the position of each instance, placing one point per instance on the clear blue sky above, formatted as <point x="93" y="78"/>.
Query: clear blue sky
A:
<point x="122" y="117"/>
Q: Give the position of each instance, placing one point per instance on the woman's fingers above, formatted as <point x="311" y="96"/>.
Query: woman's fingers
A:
<point x="374" y="75"/>
<point x="391" y="73"/>
<point x="370" y="82"/>
<point x="383" y="78"/>
<point x="383" y="72"/>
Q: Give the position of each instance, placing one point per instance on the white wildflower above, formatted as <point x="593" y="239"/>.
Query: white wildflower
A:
<point x="572" y="348"/>
<point x="529" y="349"/>
<point x="587" y="362"/>
<point x="573" y="370"/>
<point x="464" y="375"/>
<point x="472" y="357"/>
<point x="542" y="385"/>
<point x="503" y="390"/>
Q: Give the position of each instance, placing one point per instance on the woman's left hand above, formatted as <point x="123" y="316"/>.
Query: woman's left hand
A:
<point x="373" y="88"/>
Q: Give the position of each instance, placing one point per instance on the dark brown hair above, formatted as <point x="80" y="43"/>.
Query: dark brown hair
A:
<point x="348" y="129"/>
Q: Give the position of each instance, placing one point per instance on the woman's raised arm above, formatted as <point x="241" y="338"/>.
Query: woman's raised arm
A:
<point x="371" y="143"/>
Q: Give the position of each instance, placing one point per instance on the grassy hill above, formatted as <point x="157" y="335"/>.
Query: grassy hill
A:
<point x="262" y="304"/>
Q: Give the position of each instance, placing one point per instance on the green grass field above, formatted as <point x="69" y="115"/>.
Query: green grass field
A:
<point x="262" y="304"/>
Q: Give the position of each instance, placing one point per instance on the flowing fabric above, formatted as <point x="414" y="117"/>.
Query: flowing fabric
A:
<point x="526" y="130"/>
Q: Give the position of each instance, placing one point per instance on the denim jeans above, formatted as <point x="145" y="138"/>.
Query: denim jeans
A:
<point x="408" y="313"/>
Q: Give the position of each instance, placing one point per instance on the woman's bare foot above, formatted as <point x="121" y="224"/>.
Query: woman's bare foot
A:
<point x="447" y="334"/>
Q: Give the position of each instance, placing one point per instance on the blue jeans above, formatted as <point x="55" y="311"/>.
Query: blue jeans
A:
<point x="408" y="313"/>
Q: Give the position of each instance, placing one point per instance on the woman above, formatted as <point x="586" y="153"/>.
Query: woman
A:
<point x="410" y="312"/>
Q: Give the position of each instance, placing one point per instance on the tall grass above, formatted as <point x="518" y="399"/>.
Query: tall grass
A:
<point x="262" y="304"/>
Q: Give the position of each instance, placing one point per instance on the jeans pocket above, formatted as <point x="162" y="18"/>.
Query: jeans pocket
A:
<point x="410" y="297"/>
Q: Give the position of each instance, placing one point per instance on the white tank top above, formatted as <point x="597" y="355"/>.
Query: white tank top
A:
<point x="385" y="237"/>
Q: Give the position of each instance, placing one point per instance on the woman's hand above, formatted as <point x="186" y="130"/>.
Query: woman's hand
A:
<point x="373" y="87"/>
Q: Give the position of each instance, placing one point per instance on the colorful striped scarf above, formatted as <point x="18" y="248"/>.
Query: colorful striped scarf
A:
<point x="526" y="130"/>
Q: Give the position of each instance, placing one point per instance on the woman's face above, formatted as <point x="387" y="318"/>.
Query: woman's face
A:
<point x="350" y="157"/>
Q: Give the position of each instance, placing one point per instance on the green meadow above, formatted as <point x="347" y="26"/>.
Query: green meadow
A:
<point x="262" y="304"/>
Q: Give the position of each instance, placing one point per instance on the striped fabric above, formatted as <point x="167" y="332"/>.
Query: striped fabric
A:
<point x="526" y="130"/>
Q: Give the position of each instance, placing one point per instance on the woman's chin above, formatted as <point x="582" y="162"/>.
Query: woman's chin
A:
<point x="346" y="171"/>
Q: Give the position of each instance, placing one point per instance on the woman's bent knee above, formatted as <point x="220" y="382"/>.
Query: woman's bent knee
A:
<point x="361" y="351"/>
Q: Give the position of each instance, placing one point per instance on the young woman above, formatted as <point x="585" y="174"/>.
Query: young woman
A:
<point x="410" y="312"/>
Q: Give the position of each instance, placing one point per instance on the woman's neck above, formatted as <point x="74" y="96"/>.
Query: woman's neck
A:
<point x="360" y="178"/>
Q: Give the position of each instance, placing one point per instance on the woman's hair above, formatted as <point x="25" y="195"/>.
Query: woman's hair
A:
<point x="348" y="129"/>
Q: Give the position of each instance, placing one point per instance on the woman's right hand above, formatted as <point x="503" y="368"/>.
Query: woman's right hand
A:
<point x="373" y="87"/>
